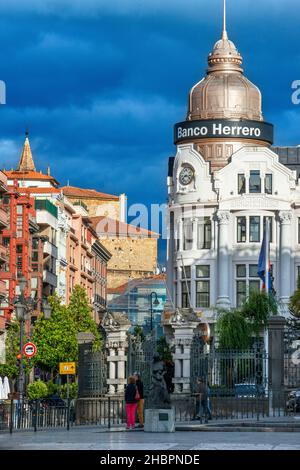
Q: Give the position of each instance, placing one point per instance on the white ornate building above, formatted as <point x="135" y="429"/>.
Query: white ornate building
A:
<point x="223" y="183"/>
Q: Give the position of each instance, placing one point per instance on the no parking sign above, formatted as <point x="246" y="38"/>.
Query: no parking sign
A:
<point x="29" y="349"/>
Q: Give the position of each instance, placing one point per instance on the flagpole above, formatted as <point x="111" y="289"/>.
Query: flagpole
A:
<point x="267" y="268"/>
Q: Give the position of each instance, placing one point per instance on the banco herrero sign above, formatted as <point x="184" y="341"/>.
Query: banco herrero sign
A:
<point x="223" y="129"/>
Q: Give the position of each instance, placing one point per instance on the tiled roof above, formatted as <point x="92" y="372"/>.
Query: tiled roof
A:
<point x="29" y="175"/>
<point x="40" y="190"/>
<point x="92" y="193"/>
<point x="105" y="225"/>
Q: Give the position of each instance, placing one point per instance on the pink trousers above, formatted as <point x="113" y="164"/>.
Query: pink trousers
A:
<point x="130" y="413"/>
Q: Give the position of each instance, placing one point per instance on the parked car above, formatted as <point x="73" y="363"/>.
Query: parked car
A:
<point x="54" y="400"/>
<point x="293" y="401"/>
<point x="247" y="390"/>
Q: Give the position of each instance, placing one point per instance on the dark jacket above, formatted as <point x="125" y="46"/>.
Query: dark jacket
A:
<point x="140" y="387"/>
<point x="130" y="394"/>
<point x="202" y="392"/>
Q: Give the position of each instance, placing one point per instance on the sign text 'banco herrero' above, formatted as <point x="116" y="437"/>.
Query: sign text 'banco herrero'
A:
<point x="214" y="128"/>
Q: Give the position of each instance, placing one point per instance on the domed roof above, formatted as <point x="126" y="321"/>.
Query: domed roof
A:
<point x="225" y="92"/>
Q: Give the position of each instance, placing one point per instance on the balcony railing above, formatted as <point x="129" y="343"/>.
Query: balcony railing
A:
<point x="49" y="278"/>
<point x="3" y="254"/>
<point x="50" y="249"/>
<point x="45" y="205"/>
<point x="3" y="217"/>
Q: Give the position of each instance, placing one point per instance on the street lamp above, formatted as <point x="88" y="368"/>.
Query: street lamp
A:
<point x="156" y="303"/>
<point x="23" y="306"/>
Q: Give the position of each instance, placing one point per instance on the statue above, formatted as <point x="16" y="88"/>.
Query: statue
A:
<point x="159" y="397"/>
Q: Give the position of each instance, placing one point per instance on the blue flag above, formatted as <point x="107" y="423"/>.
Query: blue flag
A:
<point x="263" y="261"/>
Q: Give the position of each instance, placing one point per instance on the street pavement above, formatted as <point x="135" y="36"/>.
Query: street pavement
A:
<point x="93" y="438"/>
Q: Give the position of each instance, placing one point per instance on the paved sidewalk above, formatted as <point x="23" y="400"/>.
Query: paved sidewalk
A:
<point x="93" y="438"/>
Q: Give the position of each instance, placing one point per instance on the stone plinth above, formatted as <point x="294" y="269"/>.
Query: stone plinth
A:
<point x="160" y="420"/>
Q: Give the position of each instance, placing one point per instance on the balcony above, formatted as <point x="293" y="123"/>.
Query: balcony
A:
<point x="49" y="278"/>
<point x="50" y="249"/>
<point x="46" y="213"/>
<point x="3" y="218"/>
<point x="2" y="290"/>
<point x="3" y="254"/>
<point x="3" y="183"/>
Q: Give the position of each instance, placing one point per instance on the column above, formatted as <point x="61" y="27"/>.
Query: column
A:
<point x="121" y="368"/>
<point x="180" y="234"/>
<point x="195" y="234"/>
<point x="112" y="370"/>
<point x="276" y="362"/>
<point x="285" y="218"/>
<point x="223" y="300"/>
<point x="186" y="366"/>
<point x="116" y="326"/>
<point x="183" y="337"/>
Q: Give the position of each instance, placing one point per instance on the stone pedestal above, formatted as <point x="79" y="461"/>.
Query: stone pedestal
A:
<point x="160" y="420"/>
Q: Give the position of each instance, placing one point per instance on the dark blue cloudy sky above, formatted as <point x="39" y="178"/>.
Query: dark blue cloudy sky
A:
<point x="100" y="83"/>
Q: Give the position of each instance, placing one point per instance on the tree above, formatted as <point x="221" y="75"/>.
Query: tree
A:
<point x="81" y="314"/>
<point x="257" y="309"/>
<point x="163" y="349"/>
<point x="12" y="349"/>
<point x="294" y="304"/>
<point x="56" y="338"/>
<point x="233" y="330"/>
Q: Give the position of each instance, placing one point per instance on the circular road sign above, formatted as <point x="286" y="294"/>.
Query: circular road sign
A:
<point x="29" y="349"/>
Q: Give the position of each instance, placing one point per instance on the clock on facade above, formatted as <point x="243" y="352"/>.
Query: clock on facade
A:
<point x="186" y="175"/>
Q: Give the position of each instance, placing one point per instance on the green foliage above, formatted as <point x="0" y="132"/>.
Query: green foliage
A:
<point x="12" y="349"/>
<point x="37" y="390"/>
<point x="56" y="338"/>
<point x="294" y="304"/>
<point x="258" y="307"/>
<point x="233" y="330"/>
<point x="52" y="388"/>
<point x="138" y="331"/>
<point x="81" y="314"/>
<point x="163" y="349"/>
<point x="73" y="390"/>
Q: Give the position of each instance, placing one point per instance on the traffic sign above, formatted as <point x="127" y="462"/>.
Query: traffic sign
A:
<point x="67" y="368"/>
<point x="29" y="349"/>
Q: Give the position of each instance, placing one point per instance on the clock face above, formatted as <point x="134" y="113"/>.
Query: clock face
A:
<point x="186" y="175"/>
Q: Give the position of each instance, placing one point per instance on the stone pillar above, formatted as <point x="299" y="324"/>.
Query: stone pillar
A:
<point x="223" y="300"/>
<point x="116" y="326"/>
<point x="285" y="218"/>
<point x="180" y="234"/>
<point x="276" y="360"/>
<point x="195" y="234"/>
<point x="183" y="336"/>
<point x="112" y="368"/>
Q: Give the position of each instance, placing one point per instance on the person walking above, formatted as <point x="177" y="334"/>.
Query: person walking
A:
<point x="202" y="400"/>
<point x="131" y="396"/>
<point x="140" y="403"/>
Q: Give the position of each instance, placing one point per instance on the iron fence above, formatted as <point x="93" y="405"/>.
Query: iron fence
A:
<point x="291" y="372"/>
<point x="226" y="370"/>
<point x="15" y="415"/>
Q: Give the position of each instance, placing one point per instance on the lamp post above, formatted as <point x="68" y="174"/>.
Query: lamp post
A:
<point x="156" y="302"/>
<point x="23" y="306"/>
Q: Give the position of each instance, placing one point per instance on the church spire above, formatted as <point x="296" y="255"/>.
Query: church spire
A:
<point x="224" y="33"/>
<point x="26" y="162"/>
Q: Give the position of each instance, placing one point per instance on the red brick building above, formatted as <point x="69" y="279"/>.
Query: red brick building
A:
<point x="20" y="238"/>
